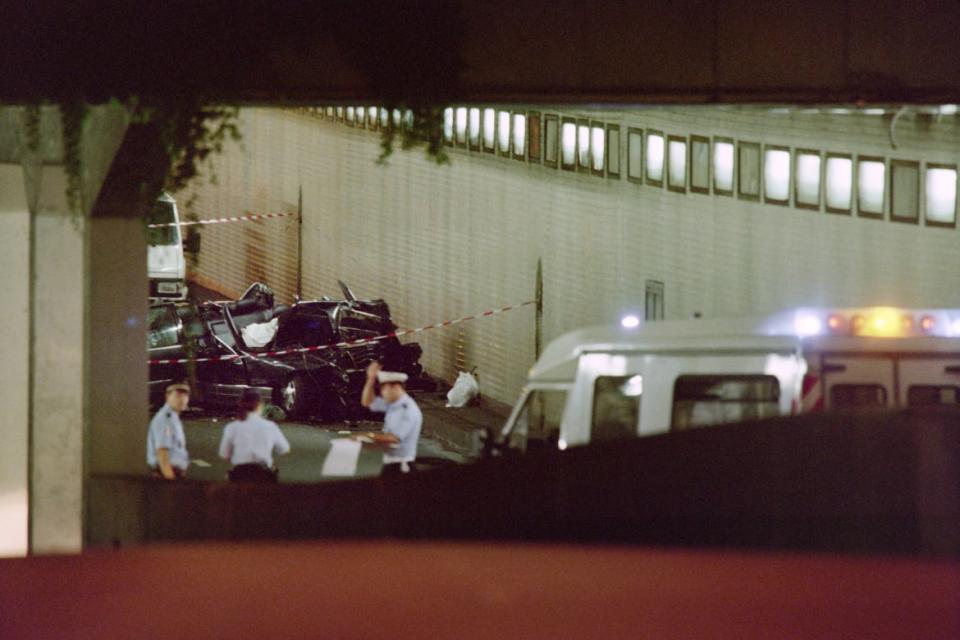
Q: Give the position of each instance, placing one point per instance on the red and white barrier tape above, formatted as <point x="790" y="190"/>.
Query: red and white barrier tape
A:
<point x="256" y="216"/>
<point x="349" y="343"/>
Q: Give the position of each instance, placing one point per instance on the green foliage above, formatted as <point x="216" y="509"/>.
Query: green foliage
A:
<point x="190" y="131"/>
<point x="73" y="116"/>
<point x="427" y="131"/>
<point x="273" y="412"/>
<point x="31" y="125"/>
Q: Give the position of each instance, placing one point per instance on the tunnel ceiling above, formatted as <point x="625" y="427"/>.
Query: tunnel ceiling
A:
<point x="686" y="51"/>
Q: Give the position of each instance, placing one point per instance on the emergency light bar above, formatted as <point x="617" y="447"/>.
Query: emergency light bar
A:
<point x="877" y="322"/>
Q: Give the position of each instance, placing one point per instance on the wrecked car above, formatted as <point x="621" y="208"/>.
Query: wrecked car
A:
<point x="231" y="346"/>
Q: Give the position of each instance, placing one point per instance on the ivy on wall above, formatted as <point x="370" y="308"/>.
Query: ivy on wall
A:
<point x="189" y="131"/>
<point x="427" y="131"/>
<point x="73" y="117"/>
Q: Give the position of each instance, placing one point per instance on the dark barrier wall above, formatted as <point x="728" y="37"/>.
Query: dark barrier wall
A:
<point x="867" y="482"/>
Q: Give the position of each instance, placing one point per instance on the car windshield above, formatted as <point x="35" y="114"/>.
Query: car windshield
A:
<point x="162" y="213"/>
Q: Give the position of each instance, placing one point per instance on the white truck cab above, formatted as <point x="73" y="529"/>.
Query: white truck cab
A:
<point x="606" y="383"/>
<point x="166" y="266"/>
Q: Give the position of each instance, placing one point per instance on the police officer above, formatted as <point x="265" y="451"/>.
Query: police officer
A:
<point x="167" y="454"/>
<point x="401" y="423"/>
<point x="249" y="443"/>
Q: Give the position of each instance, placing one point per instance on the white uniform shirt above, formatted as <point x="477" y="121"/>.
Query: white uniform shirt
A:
<point x="404" y="420"/>
<point x="252" y="441"/>
<point x="166" y="432"/>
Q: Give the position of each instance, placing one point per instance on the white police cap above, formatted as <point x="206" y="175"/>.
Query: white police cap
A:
<point x="384" y="377"/>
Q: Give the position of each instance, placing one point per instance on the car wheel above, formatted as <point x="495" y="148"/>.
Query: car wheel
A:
<point x="294" y="398"/>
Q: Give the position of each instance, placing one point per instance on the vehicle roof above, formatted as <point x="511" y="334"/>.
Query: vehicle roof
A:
<point x="559" y="360"/>
<point x="882" y="345"/>
<point x="558" y="363"/>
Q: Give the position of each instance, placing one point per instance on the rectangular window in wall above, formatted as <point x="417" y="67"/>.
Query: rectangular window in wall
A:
<point x="350" y="116"/>
<point x="520" y="136"/>
<point x="473" y="128"/>
<point x="677" y="164"/>
<point x="871" y="186"/>
<point x="583" y="145"/>
<point x="384" y="118"/>
<point x="568" y="145"/>
<point x="373" y="115"/>
<point x="748" y="176"/>
<point x="653" y="307"/>
<point x="654" y="158"/>
<point x="534" y="147"/>
<point x="905" y="191"/>
<point x="613" y="151"/>
<point x="839" y="183"/>
<point x="339" y="112"/>
<point x="551" y="141"/>
<point x="460" y="126"/>
<point x="448" y="125"/>
<point x="940" y="189"/>
<point x="503" y="133"/>
<point x="408" y="120"/>
<point x="489" y="130"/>
<point x="807" y="179"/>
<point x="361" y="116"/>
<point x="635" y="155"/>
<point x="723" y="166"/>
<point x="699" y="164"/>
<point x="330" y="113"/>
<point x="598" y="148"/>
<point x="776" y="175"/>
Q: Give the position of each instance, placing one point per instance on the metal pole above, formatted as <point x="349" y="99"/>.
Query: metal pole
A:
<point x="300" y="244"/>
<point x="538" y="329"/>
<point x="538" y="345"/>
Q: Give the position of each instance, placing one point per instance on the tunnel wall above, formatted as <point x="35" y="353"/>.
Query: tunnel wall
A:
<point x="439" y="242"/>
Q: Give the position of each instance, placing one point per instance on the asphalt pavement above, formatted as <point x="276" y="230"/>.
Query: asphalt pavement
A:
<point x="309" y="445"/>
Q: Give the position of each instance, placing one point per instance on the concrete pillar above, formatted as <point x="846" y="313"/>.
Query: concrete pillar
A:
<point x="116" y="337"/>
<point x="73" y="378"/>
<point x="15" y="364"/>
<point x="57" y="382"/>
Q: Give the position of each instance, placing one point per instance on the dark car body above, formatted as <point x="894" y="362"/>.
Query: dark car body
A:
<point x="320" y="383"/>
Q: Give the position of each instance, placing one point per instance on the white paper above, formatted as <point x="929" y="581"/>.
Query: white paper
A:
<point x="342" y="459"/>
<point x="199" y="463"/>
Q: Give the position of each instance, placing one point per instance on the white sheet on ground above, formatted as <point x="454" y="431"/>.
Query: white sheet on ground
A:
<point x="463" y="391"/>
<point x="260" y="334"/>
<point x="343" y="457"/>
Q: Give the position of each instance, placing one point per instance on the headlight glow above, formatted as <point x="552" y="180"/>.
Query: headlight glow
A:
<point x="808" y="325"/>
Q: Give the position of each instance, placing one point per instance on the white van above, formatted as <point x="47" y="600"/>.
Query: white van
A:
<point x="611" y="382"/>
<point x="166" y="267"/>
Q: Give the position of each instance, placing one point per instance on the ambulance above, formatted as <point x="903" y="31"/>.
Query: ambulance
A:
<point x="641" y="379"/>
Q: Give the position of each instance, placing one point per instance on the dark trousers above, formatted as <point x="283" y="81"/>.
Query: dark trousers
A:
<point x="252" y="473"/>
<point x="395" y="470"/>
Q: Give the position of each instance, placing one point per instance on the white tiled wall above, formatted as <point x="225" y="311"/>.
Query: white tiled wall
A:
<point x="442" y="241"/>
